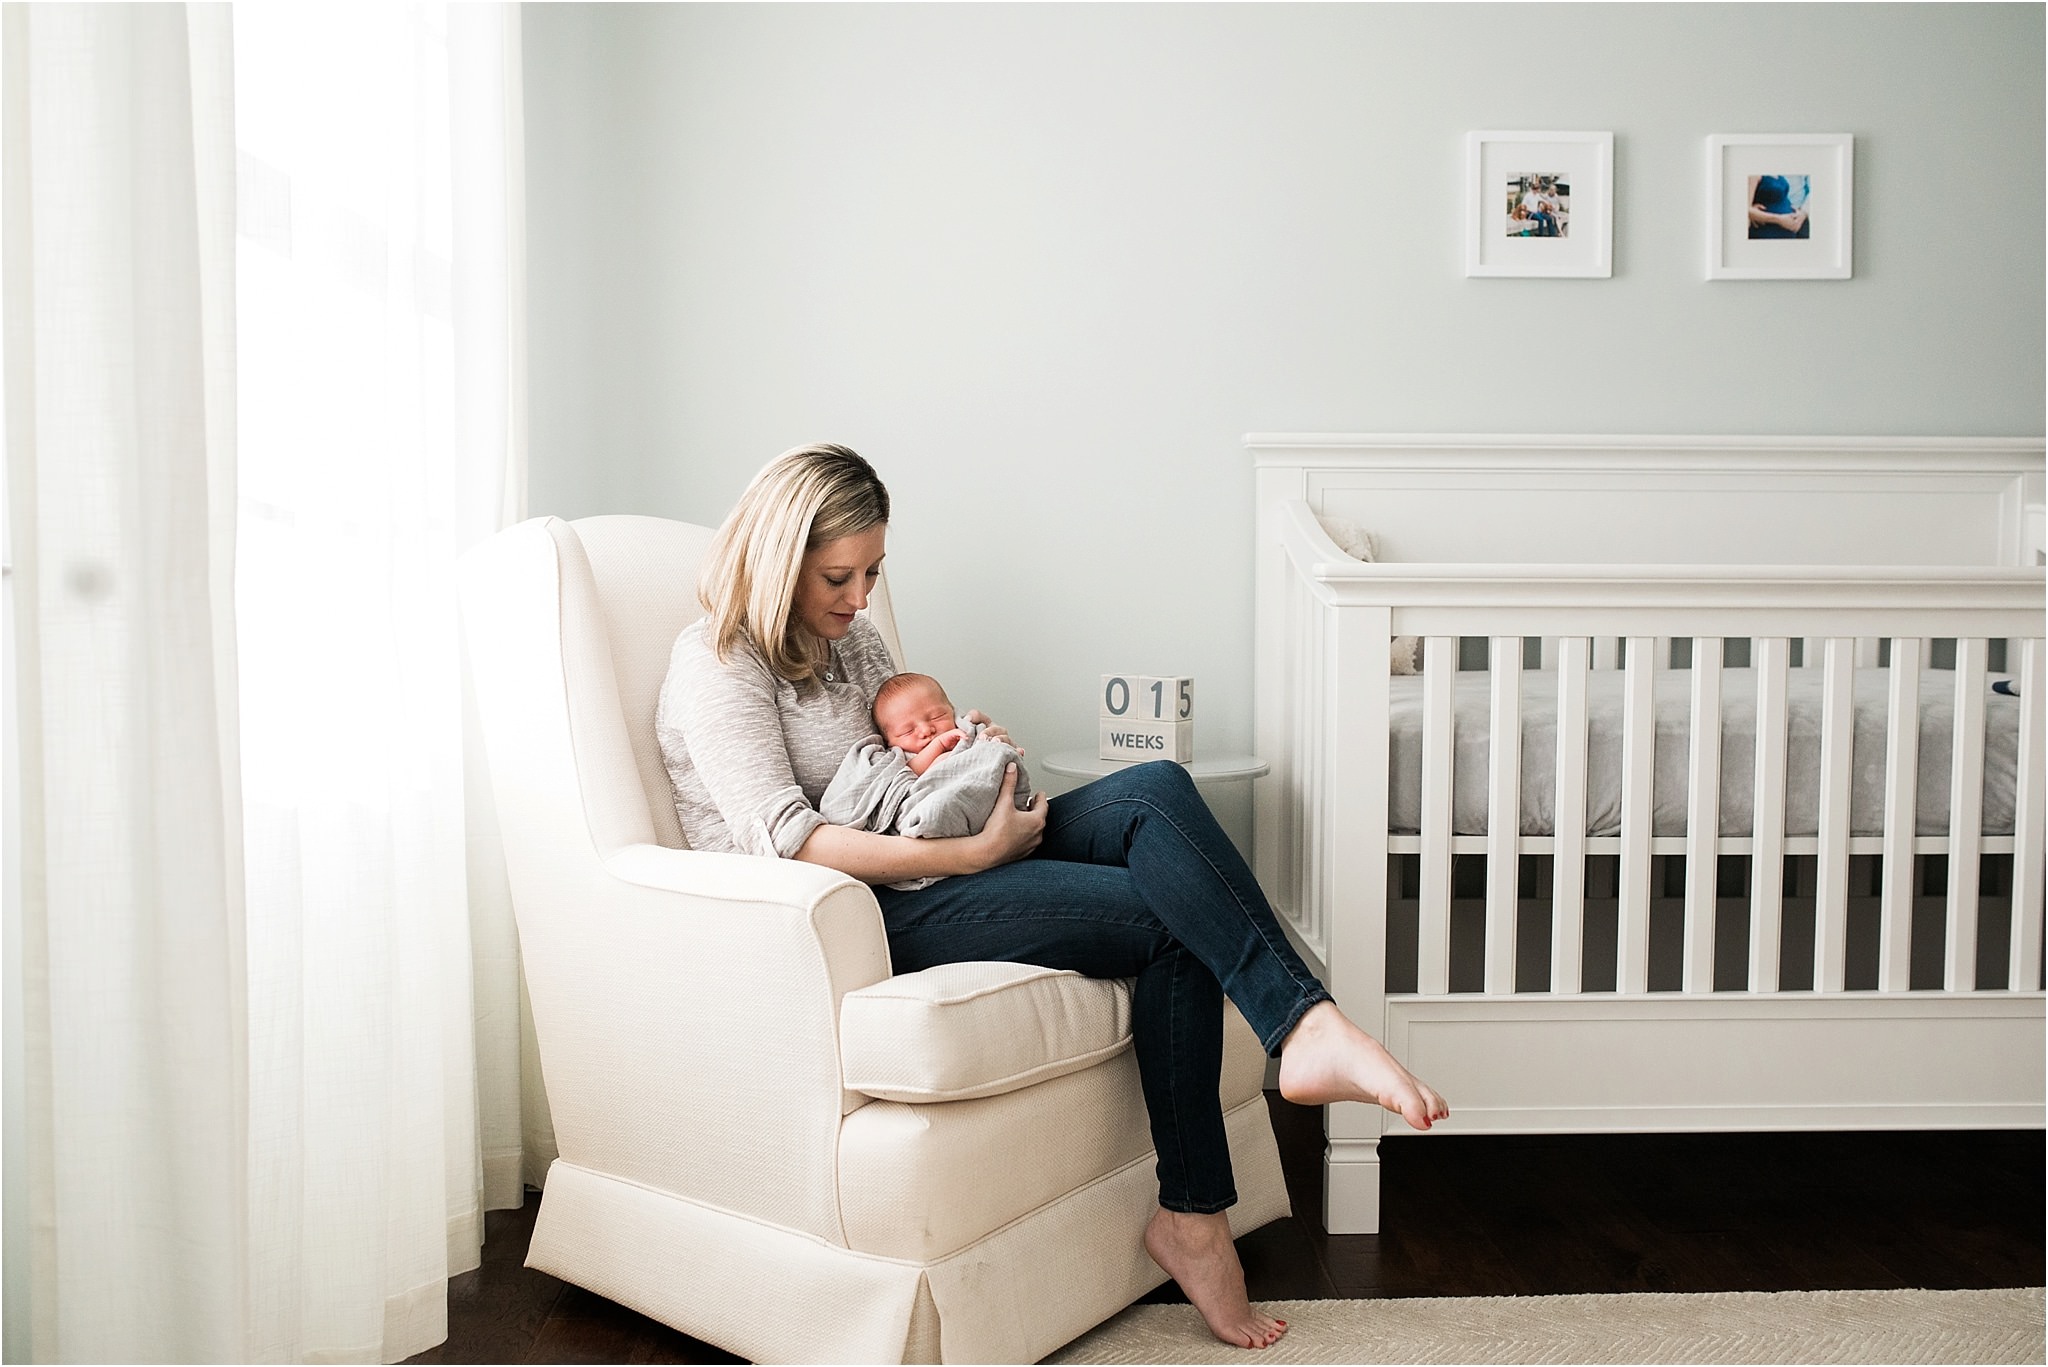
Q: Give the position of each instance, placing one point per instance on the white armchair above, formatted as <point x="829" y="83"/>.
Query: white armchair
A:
<point x="766" y="1140"/>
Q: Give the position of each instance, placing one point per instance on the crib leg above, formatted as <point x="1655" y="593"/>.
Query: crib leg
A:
<point x="1351" y="1186"/>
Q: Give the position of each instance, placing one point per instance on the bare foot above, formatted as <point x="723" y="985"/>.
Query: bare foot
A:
<point x="1196" y="1251"/>
<point x="1326" y="1058"/>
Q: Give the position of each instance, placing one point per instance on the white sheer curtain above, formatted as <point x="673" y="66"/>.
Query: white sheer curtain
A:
<point x="266" y="1078"/>
<point x="119" y="213"/>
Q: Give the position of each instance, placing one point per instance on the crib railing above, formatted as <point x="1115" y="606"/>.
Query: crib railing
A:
<point x="1318" y="846"/>
<point x="1702" y="848"/>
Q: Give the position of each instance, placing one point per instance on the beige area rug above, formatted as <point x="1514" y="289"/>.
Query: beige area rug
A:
<point x="1729" y="1326"/>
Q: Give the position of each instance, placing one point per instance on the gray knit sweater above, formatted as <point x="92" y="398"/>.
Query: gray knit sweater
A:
<point x="749" y="754"/>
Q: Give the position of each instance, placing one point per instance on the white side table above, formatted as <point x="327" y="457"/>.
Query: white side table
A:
<point x="1213" y="769"/>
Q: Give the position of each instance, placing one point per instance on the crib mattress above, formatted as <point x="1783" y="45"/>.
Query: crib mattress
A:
<point x="1673" y="704"/>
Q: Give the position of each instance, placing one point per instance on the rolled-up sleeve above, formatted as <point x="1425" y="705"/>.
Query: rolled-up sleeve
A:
<point x="783" y="831"/>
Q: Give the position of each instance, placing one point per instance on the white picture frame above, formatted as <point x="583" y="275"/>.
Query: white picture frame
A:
<point x="1815" y="182"/>
<point x="1517" y="221"/>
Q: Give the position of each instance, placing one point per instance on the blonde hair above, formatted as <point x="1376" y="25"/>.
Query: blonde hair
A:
<point x="800" y="500"/>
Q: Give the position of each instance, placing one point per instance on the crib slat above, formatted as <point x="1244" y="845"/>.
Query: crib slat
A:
<point x="1965" y="818"/>
<point x="2027" y="870"/>
<point x="1868" y="649"/>
<point x="1503" y="814"/>
<point x="1767" y="852"/>
<point x="1296" y="826"/>
<point x="1313" y="656"/>
<point x="1319" y="661"/>
<point x="1901" y="818"/>
<point x="1287" y="775"/>
<point x="1638" y="751"/>
<point x="1439" y="722"/>
<point x="1607" y="652"/>
<point x="1568" y="886"/>
<point x="1702" y="814"/>
<point x="1831" y="875"/>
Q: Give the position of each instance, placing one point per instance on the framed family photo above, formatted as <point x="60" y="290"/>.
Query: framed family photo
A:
<point x="1778" y="206"/>
<point x="1539" y="204"/>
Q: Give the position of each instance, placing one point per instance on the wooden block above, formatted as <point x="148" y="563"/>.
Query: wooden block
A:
<point x="1147" y="697"/>
<point x="1140" y="740"/>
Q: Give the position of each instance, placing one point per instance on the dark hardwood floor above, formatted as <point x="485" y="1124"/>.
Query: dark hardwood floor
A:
<point x="1494" y="1215"/>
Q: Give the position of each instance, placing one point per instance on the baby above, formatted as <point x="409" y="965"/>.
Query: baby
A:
<point x="925" y="773"/>
<point x="915" y="716"/>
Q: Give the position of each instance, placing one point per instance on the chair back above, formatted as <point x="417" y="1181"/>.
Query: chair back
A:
<point x="569" y="627"/>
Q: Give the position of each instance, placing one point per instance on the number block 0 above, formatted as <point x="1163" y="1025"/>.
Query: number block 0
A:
<point x="1147" y="697"/>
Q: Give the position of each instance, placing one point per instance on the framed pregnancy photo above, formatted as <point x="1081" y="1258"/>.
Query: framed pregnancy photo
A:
<point x="1539" y="204"/>
<point x="1778" y="206"/>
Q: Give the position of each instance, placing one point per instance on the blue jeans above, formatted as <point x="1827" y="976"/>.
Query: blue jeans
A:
<point x="1134" y="879"/>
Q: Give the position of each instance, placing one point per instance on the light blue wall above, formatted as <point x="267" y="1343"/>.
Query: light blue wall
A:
<point x="1045" y="263"/>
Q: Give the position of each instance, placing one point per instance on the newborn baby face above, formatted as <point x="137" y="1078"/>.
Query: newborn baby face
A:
<point x="914" y="715"/>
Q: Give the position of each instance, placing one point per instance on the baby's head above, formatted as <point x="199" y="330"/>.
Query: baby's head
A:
<point x="910" y="709"/>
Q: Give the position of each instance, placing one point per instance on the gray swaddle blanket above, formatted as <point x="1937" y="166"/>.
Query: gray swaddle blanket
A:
<point x="875" y="790"/>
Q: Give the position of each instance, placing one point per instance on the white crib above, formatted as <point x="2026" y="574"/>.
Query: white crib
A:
<point x="1704" y="952"/>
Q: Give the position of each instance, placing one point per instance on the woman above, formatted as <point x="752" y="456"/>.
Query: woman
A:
<point x="1129" y="877"/>
<point x="1777" y="207"/>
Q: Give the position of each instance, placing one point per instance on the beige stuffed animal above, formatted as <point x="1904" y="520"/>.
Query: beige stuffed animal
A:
<point x="1358" y="543"/>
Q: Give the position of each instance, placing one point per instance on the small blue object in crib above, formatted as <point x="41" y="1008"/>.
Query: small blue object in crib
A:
<point x="2006" y="686"/>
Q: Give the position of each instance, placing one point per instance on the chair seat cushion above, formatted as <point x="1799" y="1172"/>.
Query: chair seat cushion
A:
<point x="968" y="1030"/>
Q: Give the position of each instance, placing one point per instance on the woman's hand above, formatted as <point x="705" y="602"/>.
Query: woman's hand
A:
<point x="1791" y="222"/>
<point x="990" y="731"/>
<point x="1011" y="834"/>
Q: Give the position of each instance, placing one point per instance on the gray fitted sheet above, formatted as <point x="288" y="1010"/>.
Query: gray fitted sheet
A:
<point x="1738" y="753"/>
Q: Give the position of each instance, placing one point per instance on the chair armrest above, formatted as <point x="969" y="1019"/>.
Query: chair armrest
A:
<point x="687" y="1009"/>
<point x="729" y="877"/>
<point x="757" y="893"/>
<point x="841" y="910"/>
